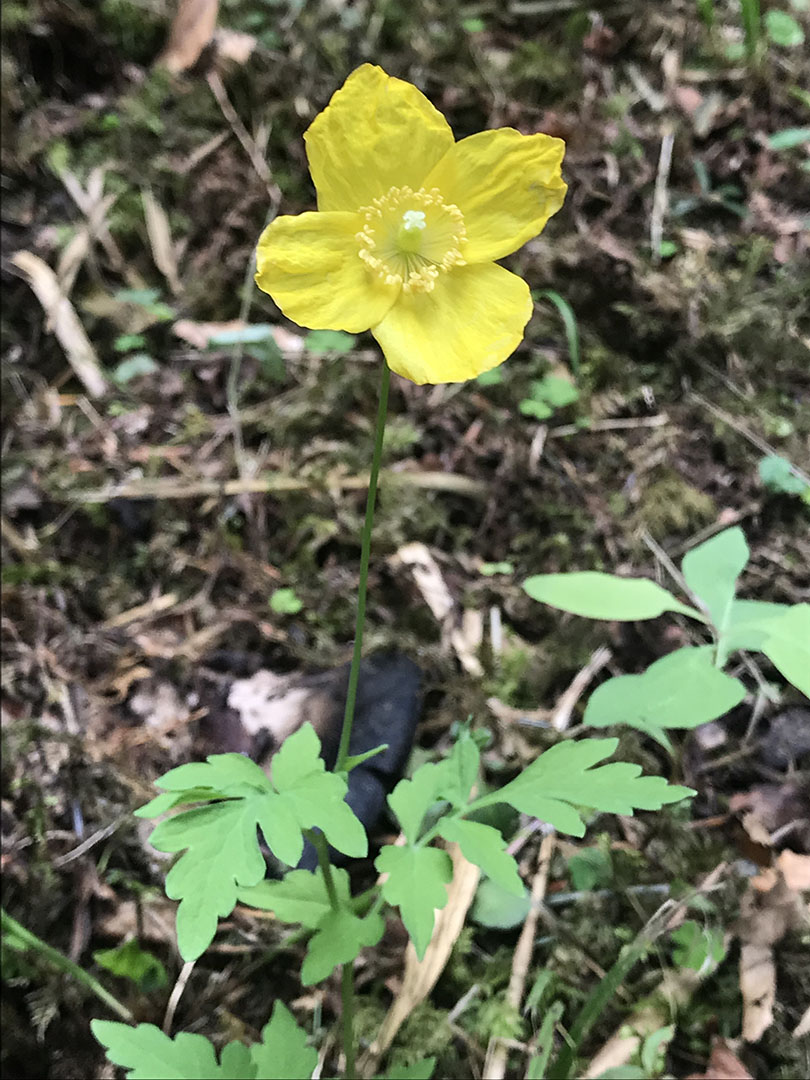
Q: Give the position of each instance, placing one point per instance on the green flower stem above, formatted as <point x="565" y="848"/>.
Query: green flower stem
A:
<point x="347" y="974"/>
<point x="17" y="935"/>
<point x="365" y="551"/>
<point x="347" y="996"/>
<point x="318" y="841"/>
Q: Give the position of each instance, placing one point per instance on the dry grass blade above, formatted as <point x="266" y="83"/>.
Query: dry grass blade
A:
<point x="192" y="29"/>
<point x="94" y="207"/>
<point x="495" y="1064"/>
<point x="421" y="975"/>
<point x="170" y="487"/>
<point x="63" y="321"/>
<point x="160" y="240"/>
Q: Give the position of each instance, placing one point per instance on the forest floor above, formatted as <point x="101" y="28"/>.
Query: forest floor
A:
<point x="183" y="498"/>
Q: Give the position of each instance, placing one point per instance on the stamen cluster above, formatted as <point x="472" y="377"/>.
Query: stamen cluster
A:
<point x="411" y="237"/>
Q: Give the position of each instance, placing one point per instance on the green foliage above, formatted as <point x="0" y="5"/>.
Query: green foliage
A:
<point x="570" y="324"/>
<point x="782" y="29"/>
<point x="256" y="340"/>
<point x="681" y="690"/>
<point x="220" y="839"/>
<point x="591" y="868"/>
<point x="697" y="946"/>
<point x="499" y="908"/>
<point x="485" y="847"/>
<point x="285" y="602"/>
<point x="127" y="342"/>
<point x="787" y="646"/>
<point x="149" y="300"/>
<point x="603" y="596"/>
<point x="416" y="883"/>
<point x="547" y="394"/>
<point x="134" y="367"/>
<point x="490" y="569"/>
<point x="130" y="961"/>
<point x="711" y="571"/>
<point x="321" y="342"/>
<point x="565" y="776"/>
<point x="751" y="24"/>
<point x="778" y="475"/>
<point x="303" y="897"/>
<point x="549" y="788"/>
<point x="789" y="138"/>
<point x="151" y="1055"/>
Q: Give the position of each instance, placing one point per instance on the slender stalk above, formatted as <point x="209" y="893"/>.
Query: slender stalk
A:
<point x="319" y="843"/>
<point x="19" y="935"/>
<point x="365" y="551"/>
<point x="347" y="995"/>
<point x="347" y="972"/>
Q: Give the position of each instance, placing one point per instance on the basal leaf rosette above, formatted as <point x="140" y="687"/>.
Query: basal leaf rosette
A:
<point x="409" y="226"/>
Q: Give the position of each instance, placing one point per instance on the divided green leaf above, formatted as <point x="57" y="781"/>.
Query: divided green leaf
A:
<point x="151" y="1055"/>
<point x="220" y="841"/>
<point x="302" y="897"/>
<point x="485" y="847"/>
<point x="564" y="777"/>
<point x="604" y="596"/>
<point x="411" y="799"/>
<point x="460" y="770"/>
<point x="416" y="883"/>
<point x="299" y="897"/>
<point x="681" y="690"/>
<point x="338" y="940"/>
<point x="283" y="1051"/>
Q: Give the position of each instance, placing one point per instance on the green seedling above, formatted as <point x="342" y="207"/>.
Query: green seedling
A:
<point x="223" y="804"/>
<point x="687" y="687"/>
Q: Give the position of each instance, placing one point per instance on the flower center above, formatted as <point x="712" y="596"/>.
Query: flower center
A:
<point x="410" y="237"/>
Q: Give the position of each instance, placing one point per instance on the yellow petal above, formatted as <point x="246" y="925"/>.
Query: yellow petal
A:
<point x="376" y="133"/>
<point x="507" y="186"/>
<point x="470" y="322"/>
<point x="310" y="265"/>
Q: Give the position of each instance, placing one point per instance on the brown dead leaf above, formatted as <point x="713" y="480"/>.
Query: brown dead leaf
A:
<point x="160" y="240"/>
<point x="234" y="45"/>
<point x="723" y="1065"/>
<point x="758" y="988"/>
<point x="192" y="29"/>
<point x="765" y="918"/>
<point x="155" y="923"/>
<point x="774" y="812"/>
<point x="63" y="321"/>
<point x="428" y="578"/>
<point x="795" y="870"/>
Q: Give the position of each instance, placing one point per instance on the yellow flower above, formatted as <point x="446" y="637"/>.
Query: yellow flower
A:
<point x="409" y="225"/>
